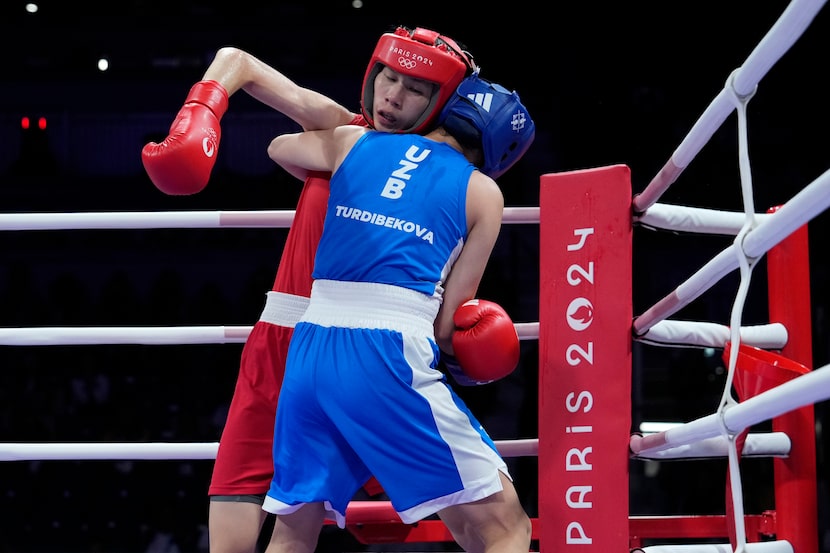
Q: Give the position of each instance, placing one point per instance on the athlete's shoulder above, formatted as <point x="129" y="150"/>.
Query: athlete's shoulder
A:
<point x="346" y="138"/>
<point x="349" y="134"/>
<point x="485" y="191"/>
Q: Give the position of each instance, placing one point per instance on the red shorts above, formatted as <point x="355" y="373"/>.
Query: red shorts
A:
<point x="244" y="463"/>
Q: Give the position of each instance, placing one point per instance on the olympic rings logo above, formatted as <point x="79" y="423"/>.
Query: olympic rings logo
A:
<point x="406" y="63"/>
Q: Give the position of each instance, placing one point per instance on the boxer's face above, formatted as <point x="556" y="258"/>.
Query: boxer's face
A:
<point x="399" y="100"/>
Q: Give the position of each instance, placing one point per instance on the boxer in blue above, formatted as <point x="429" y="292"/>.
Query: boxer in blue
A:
<point x="410" y="225"/>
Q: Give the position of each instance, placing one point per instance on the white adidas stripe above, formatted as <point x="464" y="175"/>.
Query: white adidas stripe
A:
<point x="484" y="100"/>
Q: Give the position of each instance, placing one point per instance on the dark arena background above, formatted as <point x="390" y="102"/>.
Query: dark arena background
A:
<point x="606" y="82"/>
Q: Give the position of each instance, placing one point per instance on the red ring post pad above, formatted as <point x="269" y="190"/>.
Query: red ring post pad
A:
<point x="585" y="314"/>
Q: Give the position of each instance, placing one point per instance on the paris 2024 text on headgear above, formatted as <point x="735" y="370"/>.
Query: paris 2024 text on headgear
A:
<point x="422" y="54"/>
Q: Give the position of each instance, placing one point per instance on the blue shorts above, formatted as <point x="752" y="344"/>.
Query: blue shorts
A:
<point x="361" y="396"/>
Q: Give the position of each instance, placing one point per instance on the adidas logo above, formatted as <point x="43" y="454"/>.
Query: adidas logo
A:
<point x="482" y="99"/>
<point x="486" y="99"/>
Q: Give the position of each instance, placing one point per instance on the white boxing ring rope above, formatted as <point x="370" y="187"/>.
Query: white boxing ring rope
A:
<point x="665" y="333"/>
<point x="759" y="547"/>
<point x="186" y="219"/>
<point x="693" y="220"/>
<point x="170" y="451"/>
<point x="786" y="31"/>
<point x="800" y="209"/>
<point x="757" y="445"/>
<point x="161" y="335"/>
<point x="807" y="389"/>
<point x="764" y="444"/>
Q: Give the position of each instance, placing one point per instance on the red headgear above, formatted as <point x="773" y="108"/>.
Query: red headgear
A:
<point x="422" y="54"/>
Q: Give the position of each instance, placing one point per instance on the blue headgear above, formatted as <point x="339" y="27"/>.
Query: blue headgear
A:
<point x="489" y="114"/>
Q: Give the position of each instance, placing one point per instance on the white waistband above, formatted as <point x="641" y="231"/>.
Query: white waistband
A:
<point x="371" y="305"/>
<point x="283" y="309"/>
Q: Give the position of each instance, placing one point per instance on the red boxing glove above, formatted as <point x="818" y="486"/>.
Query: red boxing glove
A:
<point x="485" y="341"/>
<point x="182" y="162"/>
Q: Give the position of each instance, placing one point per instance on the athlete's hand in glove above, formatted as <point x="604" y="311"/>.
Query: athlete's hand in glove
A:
<point x="485" y="342"/>
<point x="182" y="162"/>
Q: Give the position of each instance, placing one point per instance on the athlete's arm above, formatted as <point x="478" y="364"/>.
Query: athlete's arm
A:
<point x="236" y="69"/>
<point x="485" y="208"/>
<point x="314" y="151"/>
